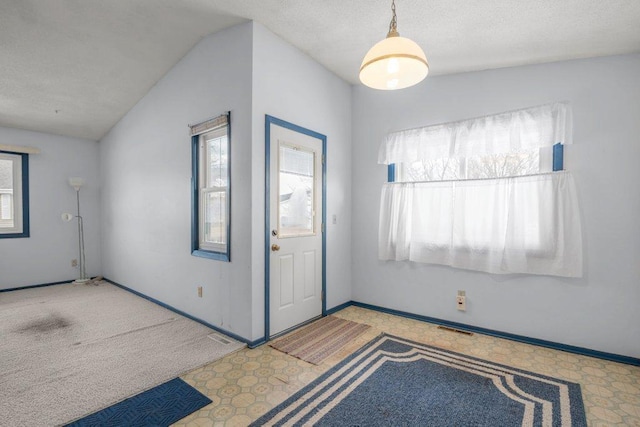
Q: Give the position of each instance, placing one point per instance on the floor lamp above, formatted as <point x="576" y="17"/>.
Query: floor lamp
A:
<point x="76" y="183"/>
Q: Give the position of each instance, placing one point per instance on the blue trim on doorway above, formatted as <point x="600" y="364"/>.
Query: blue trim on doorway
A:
<point x="269" y="120"/>
<point x="37" y="286"/>
<point x="267" y="222"/>
<point x="528" y="340"/>
<point x="187" y="315"/>
<point x="324" y="222"/>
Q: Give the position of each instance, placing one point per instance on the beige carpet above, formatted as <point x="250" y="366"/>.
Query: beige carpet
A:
<point x="70" y="350"/>
<point x="320" y="339"/>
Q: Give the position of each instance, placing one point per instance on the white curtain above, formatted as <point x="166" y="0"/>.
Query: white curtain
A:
<point x="517" y="131"/>
<point x="527" y="224"/>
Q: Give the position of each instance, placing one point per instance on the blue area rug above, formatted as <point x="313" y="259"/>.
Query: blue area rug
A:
<point x="393" y="381"/>
<point x="159" y="406"/>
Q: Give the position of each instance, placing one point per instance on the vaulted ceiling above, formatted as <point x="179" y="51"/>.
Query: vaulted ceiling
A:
<point x="75" y="67"/>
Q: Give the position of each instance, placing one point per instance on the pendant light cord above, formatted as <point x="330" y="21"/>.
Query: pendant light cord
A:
<point x="393" y="25"/>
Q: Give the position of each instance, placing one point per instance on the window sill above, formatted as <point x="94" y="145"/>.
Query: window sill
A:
<point x="14" y="235"/>
<point x="211" y="255"/>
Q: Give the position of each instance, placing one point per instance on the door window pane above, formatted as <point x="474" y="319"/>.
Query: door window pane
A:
<point x="296" y="191"/>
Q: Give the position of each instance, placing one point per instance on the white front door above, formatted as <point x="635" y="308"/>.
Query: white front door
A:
<point x="295" y="226"/>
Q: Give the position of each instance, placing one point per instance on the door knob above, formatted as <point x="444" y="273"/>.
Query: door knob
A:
<point x="275" y="247"/>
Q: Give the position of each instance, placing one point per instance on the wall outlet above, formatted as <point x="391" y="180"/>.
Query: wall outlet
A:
<point x="461" y="301"/>
<point x="74" y="263"/>
<point x="200" y="291"/>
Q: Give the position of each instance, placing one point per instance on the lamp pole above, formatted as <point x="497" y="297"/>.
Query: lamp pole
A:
<point x="76" y="183"/>
<point x="83" y="271"/>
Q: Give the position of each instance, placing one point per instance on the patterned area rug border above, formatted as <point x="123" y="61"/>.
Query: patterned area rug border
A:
<point x="159" y="406"/>
<point x="319" y="340"/>
<point x="392" y="380"/>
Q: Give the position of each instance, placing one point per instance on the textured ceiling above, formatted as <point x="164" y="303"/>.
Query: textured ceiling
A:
<point x="75" y="67"/>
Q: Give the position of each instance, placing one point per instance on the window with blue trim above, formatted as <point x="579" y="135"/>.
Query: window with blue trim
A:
<point x="14" y="195"/>
<point x="211" y="188"/>
<point x="486" y="194"/>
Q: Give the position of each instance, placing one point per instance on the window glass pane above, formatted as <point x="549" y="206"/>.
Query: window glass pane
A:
<point x="6" y="210"/>
<point x="217" y="161"/>
<point x="487" y="166"/>
<point x="296" y="184"/>
<point x="214" y="218"/>
<point x="431" y="170"/>
<point x="6" y="194"/>
<point x="503" y="165"/>
<point x="6" y="174"/>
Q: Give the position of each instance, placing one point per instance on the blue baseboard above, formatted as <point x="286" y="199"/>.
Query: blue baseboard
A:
<point x="337" y="308"/>
<point x="252" y="344"/>
<point x="37" y="286"/>
<point x="249" y="343"/>
<point x="256" y="343"/>
<point x="535" y="341"/>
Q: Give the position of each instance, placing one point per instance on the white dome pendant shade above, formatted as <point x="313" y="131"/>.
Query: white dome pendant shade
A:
<point x="395" y="62"/>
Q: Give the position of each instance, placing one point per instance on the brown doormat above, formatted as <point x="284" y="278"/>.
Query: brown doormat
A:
<point x="319" y="340"/>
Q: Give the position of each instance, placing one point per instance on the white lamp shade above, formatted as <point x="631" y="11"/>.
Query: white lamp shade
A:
<point x="394" y="63"/>
<point x="76" y="183"/>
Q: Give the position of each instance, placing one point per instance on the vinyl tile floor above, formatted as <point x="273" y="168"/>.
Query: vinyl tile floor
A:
<point x="246" y="384"/>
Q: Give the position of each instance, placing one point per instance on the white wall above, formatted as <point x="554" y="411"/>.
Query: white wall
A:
<point x="289" y="85"/>
<point x="46" y="256"/>
<point x="599" y="311"/>
<point x="146" y="174"/>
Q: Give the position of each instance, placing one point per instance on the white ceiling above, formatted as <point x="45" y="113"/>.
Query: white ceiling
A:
<point x="75" y="67"/>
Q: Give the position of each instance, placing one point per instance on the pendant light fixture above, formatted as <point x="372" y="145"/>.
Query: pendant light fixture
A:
<point x="395" y="62"/>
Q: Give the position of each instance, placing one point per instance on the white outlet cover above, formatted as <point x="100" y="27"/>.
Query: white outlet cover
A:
<point x="461" y="303"/>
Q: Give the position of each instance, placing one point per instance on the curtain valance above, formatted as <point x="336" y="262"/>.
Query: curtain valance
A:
<point x="509" y="132"/>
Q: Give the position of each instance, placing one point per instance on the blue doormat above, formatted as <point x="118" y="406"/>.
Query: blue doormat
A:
<point x="159" y="406"/>
<point x="393" y="381"/>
